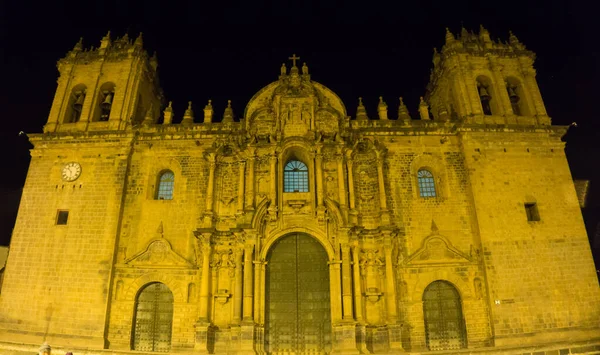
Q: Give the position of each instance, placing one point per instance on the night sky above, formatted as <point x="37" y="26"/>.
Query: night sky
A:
<point x="232" y="50"/>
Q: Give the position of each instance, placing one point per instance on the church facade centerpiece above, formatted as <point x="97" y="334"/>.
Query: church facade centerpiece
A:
<point x="295" y="228"/>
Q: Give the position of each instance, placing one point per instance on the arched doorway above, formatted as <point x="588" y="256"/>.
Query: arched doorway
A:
<point x="444" y="323"/>
<point x="298" y="308"/>
<point x="153" y="319"/>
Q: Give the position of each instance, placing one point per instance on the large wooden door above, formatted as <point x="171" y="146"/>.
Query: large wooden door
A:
<point x="298" y="313"/>
<point x="153" y="319"/>
<point x="444" y="325"/>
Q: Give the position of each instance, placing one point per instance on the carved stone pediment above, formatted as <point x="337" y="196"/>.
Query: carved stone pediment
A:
<point x="158" y="253"/>
<point x="437" y="249"/>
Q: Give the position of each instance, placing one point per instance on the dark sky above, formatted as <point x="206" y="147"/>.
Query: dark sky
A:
<point x="231" y="50"/>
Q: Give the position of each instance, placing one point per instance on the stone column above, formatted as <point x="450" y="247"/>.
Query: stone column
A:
<point x="503" y="99"/>
<point x="353" y="215"/>
<point x="258" y="268"/>
<point x="250" y="181"/>
<point x="334" y="290"/>
<point x="272" y="210"/>
<point x="385" y="215"/>
<point x="205" y="277"/>
<point x="357" y="285"/>
<point x="240" y="202"/>
<point x="202" y="326"/>
<point x="248" y="296"/>
<point x="341" y="182"/>
<point x="389" y="282"/>
<point x="210" y="190"/>
<point x="319" y="175"/>
<point x="346" y="283"/>
<point x="237" y="293"/>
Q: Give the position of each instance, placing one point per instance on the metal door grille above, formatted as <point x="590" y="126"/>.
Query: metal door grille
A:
<point x="444" y="325"/>
<point x="153" y="319"/>
<point x="297" y="308"/>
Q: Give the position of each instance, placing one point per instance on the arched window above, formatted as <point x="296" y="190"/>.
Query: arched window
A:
<point x="426" y="183"/>
<point x="442" y="311"/>
<point x="295" y="177"/>
<point x="166" y="182"/>
<point x="153" y="322"/>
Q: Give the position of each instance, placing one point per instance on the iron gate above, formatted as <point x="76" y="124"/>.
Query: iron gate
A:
<point x="153" y="319"/>
<point x="297" y="312"/>
<point x="444" y="325"/>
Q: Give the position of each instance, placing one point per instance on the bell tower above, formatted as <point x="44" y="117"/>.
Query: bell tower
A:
<point x="478" y="80"/>
<point x="111" y="87"/>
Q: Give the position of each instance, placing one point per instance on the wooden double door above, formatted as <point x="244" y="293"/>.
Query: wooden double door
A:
<point x="298" y="308"/>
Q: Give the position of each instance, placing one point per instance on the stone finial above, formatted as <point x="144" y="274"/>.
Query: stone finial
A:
<point x="188" y="116"/>
<point x="168" y="113"/>
<point x="79" y="45"/>
<point x="45" y="349"/>
<point x="382" y="109"/>
<point x="105" y="42"/>
<point x="208" y="112"/>
<point x="403" y="112"/>
<point x="304" y="69"/>
<point x="484" y="36"/>
<point x="139" y="41"/>
<point x="449" y="36"/>
<point x="149" y="117"/>
<point x="228" y="114"/>
<point x="464" y="34"/>
<point x="361" y="111"/>
<point x="434" y="228"/>
<point x="283" y="69"/>
<point x="423" y="109"/>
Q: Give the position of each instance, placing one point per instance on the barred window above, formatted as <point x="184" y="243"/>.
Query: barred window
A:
<point x="166" y="183"/>
<point x="295" y="177"/>
<point x="426" y="183"/>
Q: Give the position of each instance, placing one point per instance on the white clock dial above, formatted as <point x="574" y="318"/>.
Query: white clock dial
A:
<point x="71" y="171"/>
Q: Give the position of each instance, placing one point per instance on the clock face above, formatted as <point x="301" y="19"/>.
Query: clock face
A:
<point x="71" y="171"/>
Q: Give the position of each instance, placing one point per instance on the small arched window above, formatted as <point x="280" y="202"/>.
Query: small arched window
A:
<point x="295" y="177"/>
<point x="166" y="182"/>
<point x="426" y="183"/>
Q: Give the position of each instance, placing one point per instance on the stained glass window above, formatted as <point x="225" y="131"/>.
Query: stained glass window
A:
<point x="165" y="186"/>
<point x="295" y="177"/>
<point x="426" y="183"/>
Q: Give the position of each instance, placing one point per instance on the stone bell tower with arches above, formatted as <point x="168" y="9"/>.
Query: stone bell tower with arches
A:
<point x="295" y="228"/>
<point x="107" y="88"/>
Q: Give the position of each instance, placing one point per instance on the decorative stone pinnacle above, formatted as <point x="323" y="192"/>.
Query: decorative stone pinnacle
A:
<point x="283" y="69"/>
<point x="170" y="107"/>
<point x="361" y="112"/>
<point x="228" y="114"/>
<point x="304" y="68"/>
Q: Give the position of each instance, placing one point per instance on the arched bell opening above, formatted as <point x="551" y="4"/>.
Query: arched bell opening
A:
<point x="297" y="296"/>
<point x="75" y="104"/>
<point x="487" y="96"/>
<point x="444" y="321"/>
<point x="517" y="97"/>
<point x="104" y="102"/>
<point x="153" y="319"/>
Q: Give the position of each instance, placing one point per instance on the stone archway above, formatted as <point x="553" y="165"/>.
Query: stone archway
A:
<point x="444" y="321"/>
<point x="298" y="307"/>
<point x="153" y="319"/>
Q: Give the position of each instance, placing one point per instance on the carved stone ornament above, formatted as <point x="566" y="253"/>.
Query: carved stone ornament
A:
<point x="158" y="253"/>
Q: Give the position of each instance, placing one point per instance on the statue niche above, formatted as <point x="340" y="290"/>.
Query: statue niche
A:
<point x="263" y="122"/>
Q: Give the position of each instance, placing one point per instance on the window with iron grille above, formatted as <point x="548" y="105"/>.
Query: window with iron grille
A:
<point x="426" y="183"/>
<point x="166" y="182"/>
<point x="295" y="177"/>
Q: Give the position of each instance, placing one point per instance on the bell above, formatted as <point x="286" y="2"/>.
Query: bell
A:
<point x="514" y="98"/>
<point x="107" y="101"/>
<point x="483" y="94"/>
<point x="79" y="102"/>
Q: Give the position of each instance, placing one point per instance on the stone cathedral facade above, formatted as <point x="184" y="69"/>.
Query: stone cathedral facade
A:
<point x="294" y="228"/>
